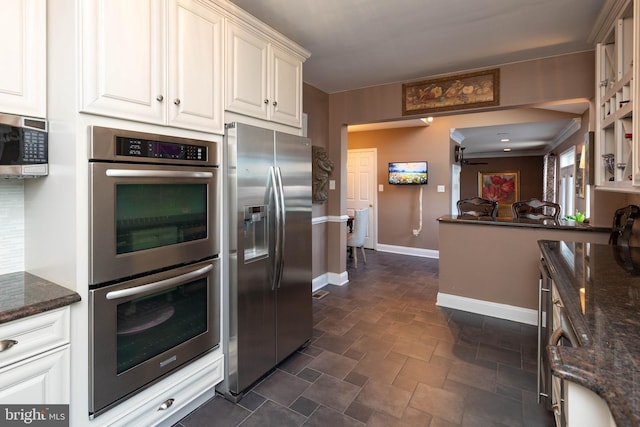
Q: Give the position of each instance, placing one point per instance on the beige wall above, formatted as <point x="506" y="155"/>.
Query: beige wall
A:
<point x="500" y="262"/>
<point x="530" y="169"/>
<point x="316" y="106"/>
<point x="524" y="84"/>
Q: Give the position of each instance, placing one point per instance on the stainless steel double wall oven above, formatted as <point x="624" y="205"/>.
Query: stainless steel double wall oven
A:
<point x="154" y="266"/>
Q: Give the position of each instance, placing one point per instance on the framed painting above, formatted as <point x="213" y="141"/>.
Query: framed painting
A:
<point x="502" y="187"/>
<point x="472" y="90"/>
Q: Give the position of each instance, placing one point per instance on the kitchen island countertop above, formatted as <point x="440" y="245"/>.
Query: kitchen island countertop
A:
<point x="523" y="222"/>
<point x="606" y="321"/>
<point x="24" y="294"/>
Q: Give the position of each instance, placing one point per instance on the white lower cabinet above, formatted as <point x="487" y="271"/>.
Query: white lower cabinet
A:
<point x="166" y="402"/>
<point x="35" y="362"/>
<point x="585" y="408"/>
<point x="42" y="379"/>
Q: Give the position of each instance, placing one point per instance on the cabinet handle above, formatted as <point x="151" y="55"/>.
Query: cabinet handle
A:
<point x="159" y="98"/>
<point x="176" y="101"/>
<point x="266" y="101"/>
<point x="166" y="405"/>
<point x="275" y="103"/>
<point x="556" y="408"/>
<point x="7" y="344"/>
<point x="558" y="303"/>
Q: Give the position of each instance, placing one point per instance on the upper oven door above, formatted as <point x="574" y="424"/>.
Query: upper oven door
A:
<point x="150" y="217"/>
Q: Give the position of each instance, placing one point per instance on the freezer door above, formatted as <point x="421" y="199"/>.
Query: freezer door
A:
<point x="293" y="314"/>
<point x="252" y="320"/>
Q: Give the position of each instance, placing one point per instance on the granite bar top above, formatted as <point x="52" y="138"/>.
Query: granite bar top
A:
<point x="522" y="222"/>
<point x="600" y="289"/>
<point x="23" y="294"/>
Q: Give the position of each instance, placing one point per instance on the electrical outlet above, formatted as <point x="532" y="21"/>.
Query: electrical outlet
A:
<point x="332" y="184"/>
<point x="416" y="233"/>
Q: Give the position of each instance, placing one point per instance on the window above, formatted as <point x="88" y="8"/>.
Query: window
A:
<point x="567" y="185"/>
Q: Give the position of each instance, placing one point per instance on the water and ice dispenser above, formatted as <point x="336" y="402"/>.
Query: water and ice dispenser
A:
<point x="256" y="236"/>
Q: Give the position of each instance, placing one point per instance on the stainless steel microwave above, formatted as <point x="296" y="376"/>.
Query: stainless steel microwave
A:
<point x="24" y="151"/>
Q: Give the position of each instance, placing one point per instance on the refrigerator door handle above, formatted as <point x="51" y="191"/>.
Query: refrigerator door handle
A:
<point x="281" y="220"/>
<point x="278" y="220"/>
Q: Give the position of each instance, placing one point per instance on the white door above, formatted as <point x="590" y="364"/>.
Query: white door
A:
<point x="361" y="188"/>
<point x="455" y="187"/>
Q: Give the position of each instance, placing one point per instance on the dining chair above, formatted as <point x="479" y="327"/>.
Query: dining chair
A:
<point x="477" y="206"/>
<point x="622" y="229"/>
<point x="535" y="209"/>
<point x="356" y="239"/>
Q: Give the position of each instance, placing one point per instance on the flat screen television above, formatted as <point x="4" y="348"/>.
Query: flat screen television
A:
<point x="408" y="173"/>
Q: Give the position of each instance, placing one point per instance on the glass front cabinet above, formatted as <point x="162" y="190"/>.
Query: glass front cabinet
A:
<point x="617" y="165"/>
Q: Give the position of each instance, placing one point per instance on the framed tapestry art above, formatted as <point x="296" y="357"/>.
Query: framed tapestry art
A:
<point x="472" y="90"/>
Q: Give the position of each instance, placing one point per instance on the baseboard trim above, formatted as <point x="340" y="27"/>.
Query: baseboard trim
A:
<point x="338" y="279"/>
<point x="488" y="308"/>
<point x="405" y="250"/>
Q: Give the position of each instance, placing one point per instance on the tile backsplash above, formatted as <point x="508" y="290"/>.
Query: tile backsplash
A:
<point x="11" y="225"/>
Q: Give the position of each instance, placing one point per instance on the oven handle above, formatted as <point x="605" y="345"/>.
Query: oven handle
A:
<point x="161" y="284"/>
<point x="126" y="173"/>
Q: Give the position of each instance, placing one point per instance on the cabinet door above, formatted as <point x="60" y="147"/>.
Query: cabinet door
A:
<point x="247" y="63"/>
<point x="38" y="380"/>
<point x="123" y="57"/>
<point x="23" y="71"/>
<point x="195" y="67"/>
<point x="286" y="88"/>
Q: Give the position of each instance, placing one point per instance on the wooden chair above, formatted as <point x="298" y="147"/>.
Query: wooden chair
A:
<point x="477" y="206"/>
<point x="536" y="209"/>
<point x="622" y="228"/>
<point x="356" y="239"/>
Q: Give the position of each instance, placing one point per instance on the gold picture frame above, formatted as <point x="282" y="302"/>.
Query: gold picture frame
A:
<point x="471" y="90"/>
<point x="502" y="187"/>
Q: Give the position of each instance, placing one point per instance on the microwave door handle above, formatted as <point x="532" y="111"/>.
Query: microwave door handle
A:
<point x="159" y="285"/>
<point x="133" y="173"/>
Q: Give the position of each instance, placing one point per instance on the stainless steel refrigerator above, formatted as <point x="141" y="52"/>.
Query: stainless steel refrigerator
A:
<point x="267" y="303"/>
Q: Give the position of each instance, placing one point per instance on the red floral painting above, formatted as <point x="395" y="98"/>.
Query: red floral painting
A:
<point x="502" y="187"/>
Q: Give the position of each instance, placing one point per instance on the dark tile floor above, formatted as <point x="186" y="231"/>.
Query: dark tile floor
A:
<point x="383" y="354"/>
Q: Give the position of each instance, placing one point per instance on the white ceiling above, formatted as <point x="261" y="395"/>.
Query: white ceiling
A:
<point x="361" y="43"/>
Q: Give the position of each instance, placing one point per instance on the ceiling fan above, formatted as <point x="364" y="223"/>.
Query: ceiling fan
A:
<point x="459" y="157"/>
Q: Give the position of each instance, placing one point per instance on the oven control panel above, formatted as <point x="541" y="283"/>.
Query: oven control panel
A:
<point x="145" y="148"/>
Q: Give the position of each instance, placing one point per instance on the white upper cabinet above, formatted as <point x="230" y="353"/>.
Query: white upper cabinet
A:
<point x="153" y="61"/>
<point x="264" y="80"/>
<point x="23" y="31"/>
<point x="195" y="67"/>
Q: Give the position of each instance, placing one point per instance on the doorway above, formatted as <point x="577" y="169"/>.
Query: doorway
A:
<point x="362" y="172"/>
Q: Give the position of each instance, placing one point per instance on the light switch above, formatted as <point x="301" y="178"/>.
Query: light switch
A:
<point x="381" y="188"/>
<point x="440" y="188"/>
<point x="332" y="184"/>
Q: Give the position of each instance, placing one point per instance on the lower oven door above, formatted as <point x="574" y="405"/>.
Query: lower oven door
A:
<point x="142" y="329"/>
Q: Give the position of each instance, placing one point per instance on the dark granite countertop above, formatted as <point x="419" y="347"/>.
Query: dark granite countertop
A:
<point x="23" y="294"/>
<point x="523" y="222"/>
<point x="606" y="320"/>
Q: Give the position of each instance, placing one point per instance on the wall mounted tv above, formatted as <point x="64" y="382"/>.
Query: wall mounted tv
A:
<point x="408" y="173"/>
